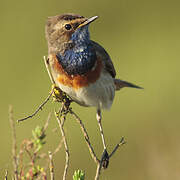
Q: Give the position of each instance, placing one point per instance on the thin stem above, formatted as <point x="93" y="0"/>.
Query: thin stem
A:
<point x="101" y="163"/>
<point x="39" y="108"/>
<point x="6" y="175"/>
<point x="60" y="119"/>
<point x="91" y="150"/>
<point x="14" y="146"/>
<point x="58" y="147"/>
<point x="47" y="122"/>
<point x="98" y="172"/>
<point x="122" y="142"/>
<point x="51" y="166"/>
<point x="46" y="61"/>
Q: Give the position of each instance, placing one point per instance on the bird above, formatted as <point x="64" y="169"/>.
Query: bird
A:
<point x="80" y="66"/>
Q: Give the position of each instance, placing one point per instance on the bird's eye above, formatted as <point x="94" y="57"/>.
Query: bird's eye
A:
<point x="68" y="26"/>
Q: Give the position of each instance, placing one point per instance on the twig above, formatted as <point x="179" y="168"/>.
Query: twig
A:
<point x="51" y="166"/>
<point x="58" y="148"/>
<point x="101" y="163"/>
<point x="61" y="117"/>
<point x="122" y="141"/>
<point x="91" y="150"/>
<point x="47" y="122"/>
<point x="6" y="175"/>
<point x="39" y="108"/>
<point x="46" y="61"/>
<point x="98" y="171"/>
<point x="14" y="146"/>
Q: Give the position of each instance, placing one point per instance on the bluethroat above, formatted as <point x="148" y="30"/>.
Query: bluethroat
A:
<point x="81" y="67"/>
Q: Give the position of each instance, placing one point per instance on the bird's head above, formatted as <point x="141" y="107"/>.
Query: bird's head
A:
<point x="64" y="31"/>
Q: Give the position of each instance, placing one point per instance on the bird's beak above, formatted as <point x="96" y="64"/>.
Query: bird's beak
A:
<point x="88" y="21"/>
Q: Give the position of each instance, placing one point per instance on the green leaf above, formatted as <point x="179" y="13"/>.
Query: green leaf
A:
<point x="38" y="137"/>
<point x="79" y="175"/>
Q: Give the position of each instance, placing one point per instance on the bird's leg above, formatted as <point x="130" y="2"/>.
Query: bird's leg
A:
<point x="98" y="117"/>
<point x="105" y="157"/>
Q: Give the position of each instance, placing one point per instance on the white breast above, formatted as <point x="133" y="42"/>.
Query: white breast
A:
<point x="99" y="94"/>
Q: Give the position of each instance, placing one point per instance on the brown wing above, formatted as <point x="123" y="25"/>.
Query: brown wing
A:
<point x="105" y="57"/>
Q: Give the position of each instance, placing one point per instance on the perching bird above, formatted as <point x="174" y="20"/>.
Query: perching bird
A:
<point x="81" y="67"/>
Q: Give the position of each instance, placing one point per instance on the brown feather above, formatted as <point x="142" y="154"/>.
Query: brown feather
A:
<point x="101" y="52"/>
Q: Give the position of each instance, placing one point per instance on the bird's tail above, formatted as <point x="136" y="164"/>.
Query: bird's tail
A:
<point x="120" y="84"/>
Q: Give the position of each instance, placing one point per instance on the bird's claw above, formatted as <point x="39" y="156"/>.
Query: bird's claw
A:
<point x="105" y="159"/>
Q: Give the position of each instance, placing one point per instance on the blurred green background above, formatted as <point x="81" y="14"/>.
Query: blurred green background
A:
<point x="143" y="39"/>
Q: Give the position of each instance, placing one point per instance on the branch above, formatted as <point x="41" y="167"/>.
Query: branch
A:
<point x="105" y="159"/>
<point x="47" y="123"/>
<point x="103" y="163"/>
<point x="51" y="166"/>
<point x="39" y="108"/>
<point x="58" y="147"/>
<point x="46" y="61"/>
<point x="122" y="141"/>
<point x="48" y="68"/>
<point x="14" y="147"/>
<point x="84" y="131"/>
<point x="61" y="117"/>
<point x="98" y="171"/>
<point x="6" y="175"/>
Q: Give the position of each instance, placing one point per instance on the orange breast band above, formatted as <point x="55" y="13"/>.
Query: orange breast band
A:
<point x="77" y="81"/>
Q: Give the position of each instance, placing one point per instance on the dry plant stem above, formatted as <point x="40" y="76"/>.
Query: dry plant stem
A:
<point x="91" y="150"/>
<point x="60" y="119"/>
<point x="51" y="163"/>
<point x="39" y="108"/>
<point x="98" y="171"/>
<point x="14" y="147"/>
<point x="46" y="61"/>
<point x="59" y="147"/>
<point x="99" y="165"/>
<point x="98" y="116"/>
<point x="122" y="141"/>
<point x="6" y="175"/>
<point x="93" y="154"/>
<point x="51" y="166"/>
<point x="47" y="122"/>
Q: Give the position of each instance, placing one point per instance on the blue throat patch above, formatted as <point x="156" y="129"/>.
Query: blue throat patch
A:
<point x="82" y="57"/>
